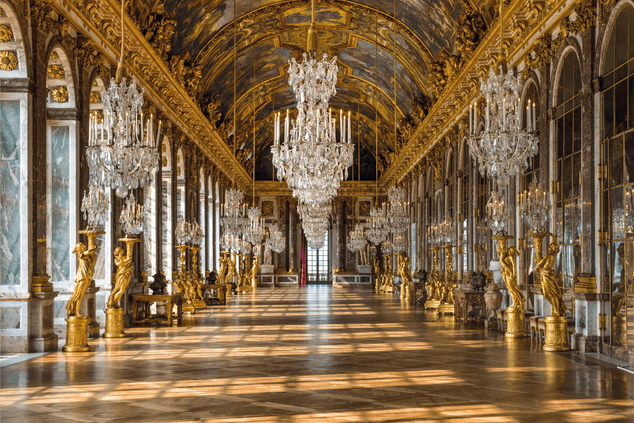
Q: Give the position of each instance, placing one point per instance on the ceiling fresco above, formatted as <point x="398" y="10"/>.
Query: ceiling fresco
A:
<point x="359" y="33"/>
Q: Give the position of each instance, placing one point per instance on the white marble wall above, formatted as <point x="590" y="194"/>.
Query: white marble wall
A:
<point x="149" y="235"/>
<point x="166" y="236"/>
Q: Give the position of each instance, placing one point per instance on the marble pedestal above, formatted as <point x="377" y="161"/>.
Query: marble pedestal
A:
<point x="365" y="269"/>
<point x="88" y="308"/>
<point x="267" y="269"/>
<point x="42" y="336"/>
<point x="352" y="279"/>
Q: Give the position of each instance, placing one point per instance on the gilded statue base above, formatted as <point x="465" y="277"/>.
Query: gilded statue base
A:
<point x="619" y="330"/>
<point x="114" y="323"/>
<point x="228" y="292"/>
<point x="200" y="304"/>
<point x="515" y="323"/>
<point x="432" y="303"/>
<point x="445" y="308"/>
<point x="556" y="336"/>
<point x="189" y="308"/>
<point x="77" y="334"/>
<point x="242" y="288"/>
<point x="389" y="289"/>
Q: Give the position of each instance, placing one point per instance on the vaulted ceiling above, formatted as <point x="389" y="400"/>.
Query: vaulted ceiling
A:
<point x="270" y="32"/>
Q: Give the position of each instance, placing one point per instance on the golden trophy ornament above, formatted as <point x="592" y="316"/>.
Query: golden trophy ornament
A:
<point x="434" y="282"/>
<point x="446" y="305"/>
<point x="406" y="276"/>
<point x="114" y="312"/>
<point x="556" y="333"/>
<point x="515" y="313"/>
<point x="76" y="324"/>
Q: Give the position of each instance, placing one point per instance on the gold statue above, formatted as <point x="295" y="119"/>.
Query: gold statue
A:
<point x="223" y="268"/>
<point x="550" y="288"/>
<point x="255" y="270"/>
<point x="509" y="274"/>
<point x="85" y="269"/>
<point x="406" y="275"/>
<point x="231" y="270"/>
<point x="376" y="263"/>
<point x="431" y="282"/>
<point x="123" y="276"/>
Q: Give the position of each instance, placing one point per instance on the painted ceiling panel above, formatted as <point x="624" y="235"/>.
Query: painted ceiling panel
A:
<point x="354" y="31"/>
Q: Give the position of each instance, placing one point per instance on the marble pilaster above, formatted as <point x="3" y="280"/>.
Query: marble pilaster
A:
<point x="292" y="235"/>
<point x="42" y="336"/>
<point x="340" y="249"/>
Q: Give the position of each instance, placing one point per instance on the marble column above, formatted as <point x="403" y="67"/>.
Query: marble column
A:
<point x="292" y="235"/>
<point x="340" y="252"/>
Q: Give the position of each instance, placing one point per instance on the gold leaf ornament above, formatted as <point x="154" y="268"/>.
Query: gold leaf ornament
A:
<point x="95" y="97"/>
<point x="8" y="60"/>
<point x="60" y="94"/>
<point x="5" y="33"/>
<point x="55" y="71"/>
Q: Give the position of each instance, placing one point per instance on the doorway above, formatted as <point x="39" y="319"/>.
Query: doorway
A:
<point x="318" y="265"/>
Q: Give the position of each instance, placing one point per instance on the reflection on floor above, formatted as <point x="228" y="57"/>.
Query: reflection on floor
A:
<point x="315" y="355"/>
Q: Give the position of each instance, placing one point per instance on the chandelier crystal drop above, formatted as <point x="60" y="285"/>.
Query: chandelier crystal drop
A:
<point x="534" y="207"/>
<point x="233" y="213"/>
<point x="122" y="152"/>
<point x="312" y="81"/>
<point x="434" y="234"/>
<point x="133" y="218"/>
<point x="375" y="227"/>
<point x="95" y="205"/>
<point x="502" y="150"/>
<point x="183" y="231"/>
<point x="447" y="233"/>
<point x="315" y="219"/>
<point x="497" y="214"/>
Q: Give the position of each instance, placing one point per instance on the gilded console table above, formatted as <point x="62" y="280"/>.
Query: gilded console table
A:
<point x="220" y="294"/>
<point x="465" y="300"/>
<point x="144" y="302"/>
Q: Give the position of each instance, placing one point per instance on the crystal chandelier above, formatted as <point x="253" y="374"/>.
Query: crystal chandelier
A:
<point x="315" y="222"/>
<point x="276" y="240"/>
<point x="232" y="213"/>
<point x="356" y="240"/>
<point x="254" y="230"/>
<point x="534" y="207"/>
<point x="375" y="231"/>
<point x="231" y="243"/>
<point x="497" y="214"/>
<point x="399" y="243"/>
<point x="196" y="234"/>
<point x="132" y="217"/>
<point x="387" y="248"/>
<point x="122" y="152"/>
<point x="95" y="205"/>
<point x="502" y="150"/>
<point x="434" y="234"/>
<point x="183" y="231"/>
<point x="397" y="216"/>
<point x="311" y="159"/>
<point x="446" y="233"/>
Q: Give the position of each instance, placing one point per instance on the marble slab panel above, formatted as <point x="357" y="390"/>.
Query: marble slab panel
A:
<point x="10" y="236"/>
<point x="59" y="204"/>
<point x="10" y="318"/>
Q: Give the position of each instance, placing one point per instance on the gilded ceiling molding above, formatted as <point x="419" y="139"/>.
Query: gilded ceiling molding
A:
<point x="101" y="21"/>
<point x="461" y="91"/>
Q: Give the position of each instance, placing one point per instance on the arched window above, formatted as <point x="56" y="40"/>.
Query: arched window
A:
<point x="568" y="168"/>
<point x="617" y="170"/>
<point x="62" y="157"/>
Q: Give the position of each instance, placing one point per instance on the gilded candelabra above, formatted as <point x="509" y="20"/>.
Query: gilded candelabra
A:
<point x="255" y="271"/>
<point x="196" y="284"/>
<point x="515" y="313"/>
<point x="376" y="265"/>
<point x="76" y="324"/>
<point x="556" y="333"/>
<point x="434" y="282"/>
<point x="132" y="221"/>
<point x="406" y="275"/>
<point x="183" y="285"/>
<point x="446" y="305"/>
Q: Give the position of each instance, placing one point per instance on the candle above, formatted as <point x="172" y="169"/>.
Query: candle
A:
<point x="534" y="118"/>
<point x="349" y="126"/>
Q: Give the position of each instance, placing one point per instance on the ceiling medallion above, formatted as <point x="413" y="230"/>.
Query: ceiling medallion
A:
<point x="8" y="60"/>
<point x="5" y="33"/>
<point x="60" y="94"/>
<point x="55" y="71"/>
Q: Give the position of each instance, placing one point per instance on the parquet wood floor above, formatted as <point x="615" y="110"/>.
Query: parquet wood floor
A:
<point x="315" y="355"/>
